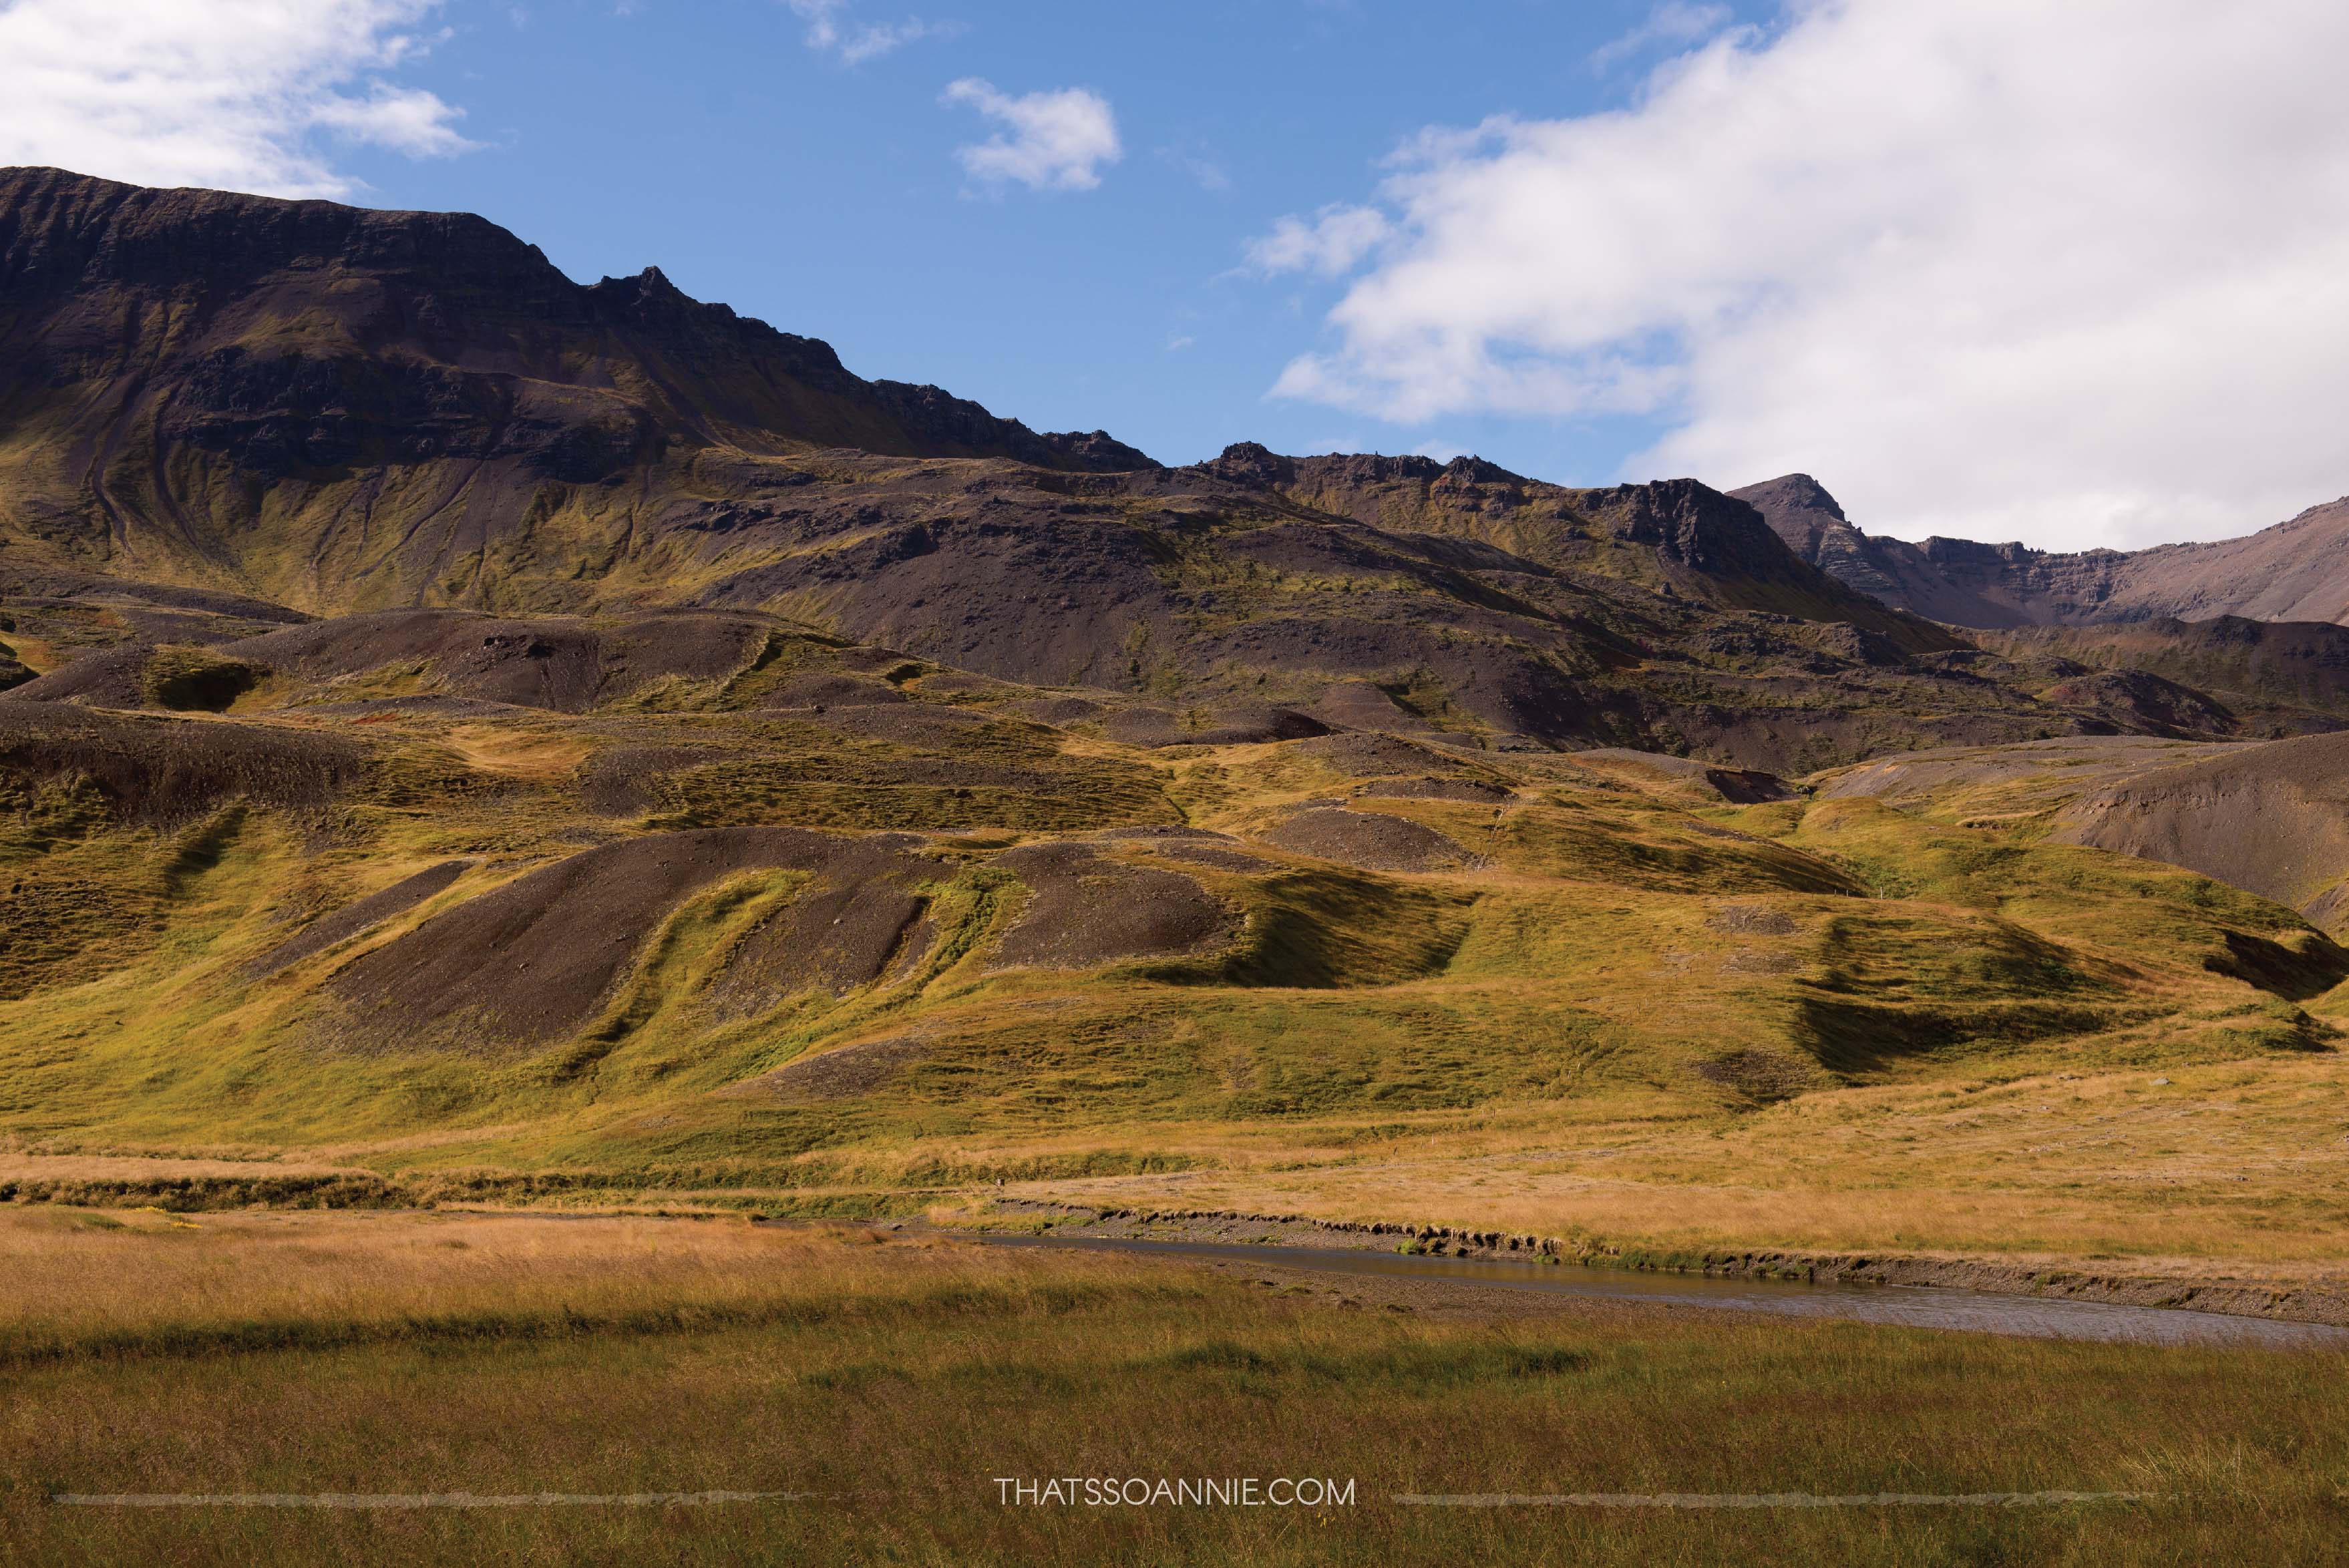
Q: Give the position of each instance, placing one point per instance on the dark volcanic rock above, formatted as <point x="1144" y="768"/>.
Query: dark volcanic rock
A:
<point x="382" y="416"/>
<point x="484" y="308"/>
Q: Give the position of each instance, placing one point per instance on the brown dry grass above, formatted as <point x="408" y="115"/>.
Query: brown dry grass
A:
<point x="542" y="755"/>
<point x="2244" y="1164"/>
<point x="124" y="1280"/>
<point x="896" y="1381"/>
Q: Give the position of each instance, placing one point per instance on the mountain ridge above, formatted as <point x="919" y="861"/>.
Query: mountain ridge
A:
<point x="2297" y="570"/>
<point x="345" y="412"/>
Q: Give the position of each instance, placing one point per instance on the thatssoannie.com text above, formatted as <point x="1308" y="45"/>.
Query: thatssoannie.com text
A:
<point x="1200" y="1491"/>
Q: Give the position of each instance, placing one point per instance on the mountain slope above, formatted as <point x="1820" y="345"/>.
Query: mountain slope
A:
<point x="2296" y="570"/>
<point x="1676" y="533"/>
<point x="328" y="403"/>
<point x="310" y="410"/>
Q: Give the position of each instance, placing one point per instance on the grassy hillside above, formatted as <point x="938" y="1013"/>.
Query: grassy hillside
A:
<point x="815" y="924"/>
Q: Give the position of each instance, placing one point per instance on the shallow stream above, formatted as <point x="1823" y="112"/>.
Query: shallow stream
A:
<point x="1913" y="1306"/>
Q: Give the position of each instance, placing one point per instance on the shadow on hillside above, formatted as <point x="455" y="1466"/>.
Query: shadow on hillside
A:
<point x="2315" y="966"/>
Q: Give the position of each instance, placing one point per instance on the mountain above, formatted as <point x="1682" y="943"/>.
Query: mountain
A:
<point x="330" y="404"/>
<point x="312" y="410"/>
<point x="2296" y="570"/>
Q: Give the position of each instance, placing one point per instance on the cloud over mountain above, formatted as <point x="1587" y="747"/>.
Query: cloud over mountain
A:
<point x="2079" y="272"/>
<point x="247" y="95"/>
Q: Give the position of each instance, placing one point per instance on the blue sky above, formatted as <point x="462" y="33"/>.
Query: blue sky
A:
<point x="826" y="198"/>
<point x="2072" y="272"/>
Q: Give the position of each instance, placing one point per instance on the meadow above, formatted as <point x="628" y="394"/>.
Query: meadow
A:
<point x="891" y="1377"/>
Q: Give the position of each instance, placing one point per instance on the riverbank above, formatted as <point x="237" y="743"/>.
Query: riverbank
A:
<point x="2319" y="1300"/>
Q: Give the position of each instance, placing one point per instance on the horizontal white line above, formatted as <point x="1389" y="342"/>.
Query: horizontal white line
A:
<point x="1760" y="1500"/>
<point x="421" y="1499"/>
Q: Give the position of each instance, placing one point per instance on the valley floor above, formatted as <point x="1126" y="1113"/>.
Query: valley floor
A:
<point x="888" y="1383"/>
<point x="2225" y="1174"/>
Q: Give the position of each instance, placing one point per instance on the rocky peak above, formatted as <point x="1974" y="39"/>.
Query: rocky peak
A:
<point x="1471" y="470"/>
<point x="1689" y="523"/>
<point x="1799" y="511"/>
<point x="1253" y="464"/>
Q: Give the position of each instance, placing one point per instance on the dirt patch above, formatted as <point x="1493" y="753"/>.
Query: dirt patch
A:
<point x="1086" y="909"/>
<point x="532" y="961"/>
<point x="1157" y="727"/>
<point x="541" y="662"/>
<point x="1476" y="791"/>
<point x="842" y="1074"/>
<point x="157" y="769"/>
<point x="555" y="662"/>
<point x="107" y="678"/>
<point x="353" y="918"/>
<point x="680" y="643"/>
<point x="1196" y="846"/>
<point x="1060" y="710"/>
<point x="624" y="781"/>
<point x="1751" y="920"/>
<point x="1357" y="705"/>
<point x="832" y="688"/>
<point x="1760" y="1076"/>
<point x="861" y="917"/>
<point x="1372" y="840"/>
<point x="1378" y="756"/>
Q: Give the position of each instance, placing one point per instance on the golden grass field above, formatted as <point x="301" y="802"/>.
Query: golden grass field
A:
<point x="309" y="1353"/>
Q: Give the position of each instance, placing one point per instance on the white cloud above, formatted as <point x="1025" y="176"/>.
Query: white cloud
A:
<point x="1335" y="242"/>
<point x="230" y="93"/>
<point x="2075" y="273"/>
<point x="1180" y="341"/>
<point x="1676" y="24"/>
<point x="830" y="31"/>
<point x="1202" y="171"/>
<point x="1055" y="141"/>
